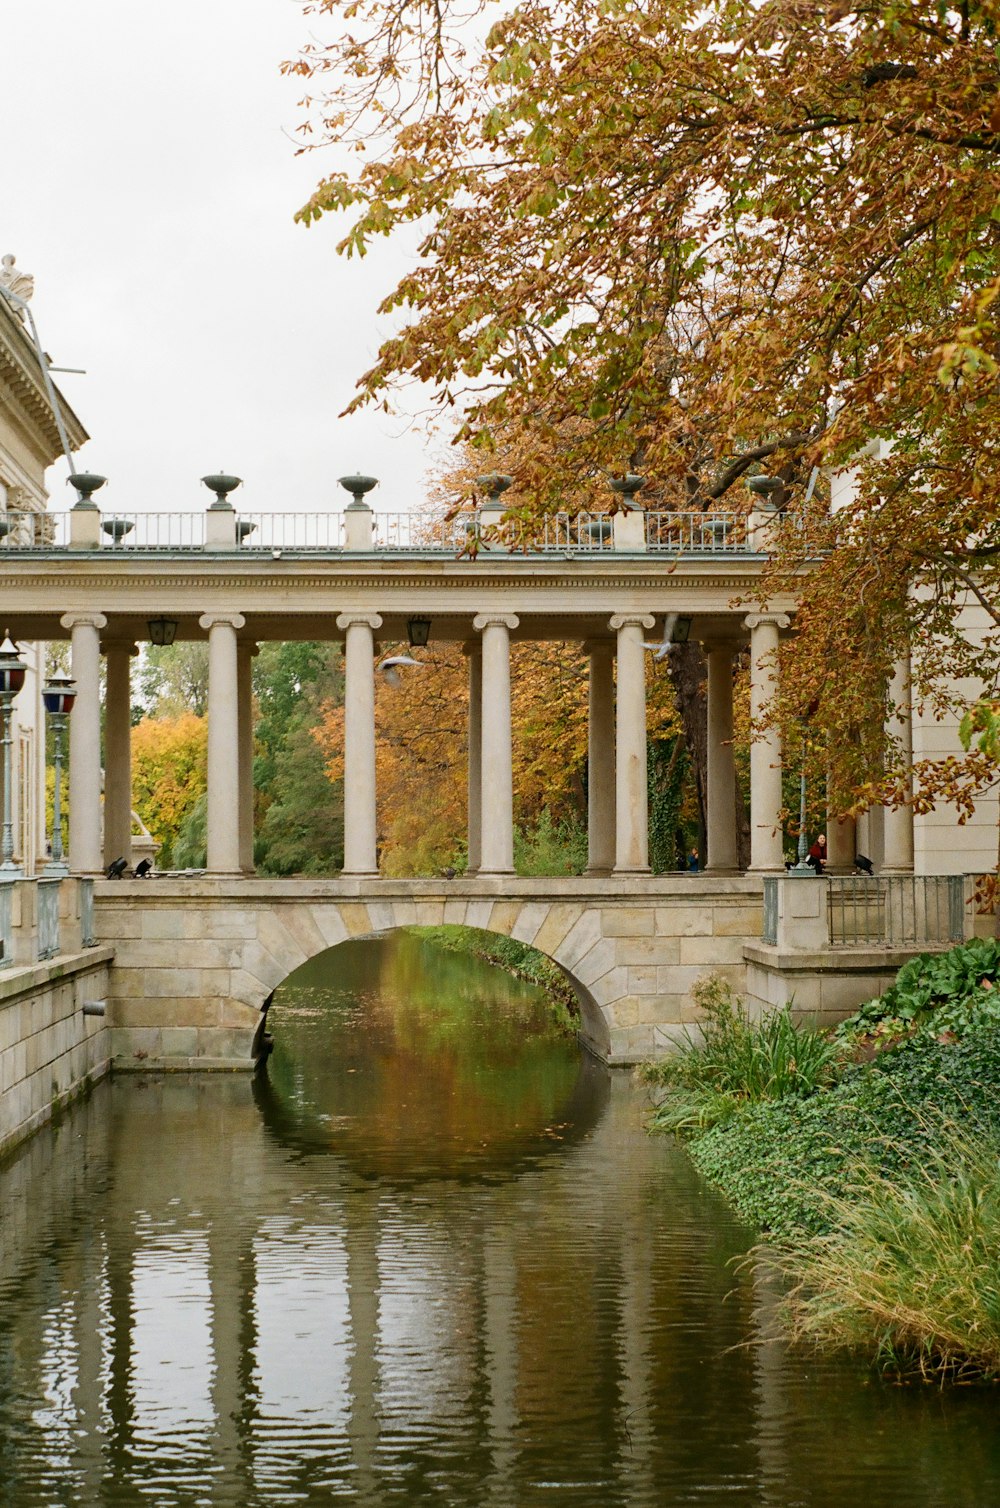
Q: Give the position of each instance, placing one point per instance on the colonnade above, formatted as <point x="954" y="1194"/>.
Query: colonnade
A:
<point x="617" y="798"/>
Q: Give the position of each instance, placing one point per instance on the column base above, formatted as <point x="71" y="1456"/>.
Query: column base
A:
<point x="597" y="872"/>
<point x="360" y="874"/>
<point x="495" y="874"/>
<point x="620" y="872"/>
<point x="720" y="869"/>
<point x="896" y="869"/>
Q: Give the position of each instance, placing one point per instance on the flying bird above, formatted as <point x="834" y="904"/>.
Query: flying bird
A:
<point x="666" y="644"/>
<point x="390" y="667"/>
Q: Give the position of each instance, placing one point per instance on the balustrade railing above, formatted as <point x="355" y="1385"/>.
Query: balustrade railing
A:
<point x="48" y="918"/>
<point x="470" y="533"/>
<point x="34" y="531"/>
<point x="87" y="937"/>
<point x="6" y="924"/>
<point x="895" y="910"/>
<point x="769" y="932"/>
<point x="697" y="533"/>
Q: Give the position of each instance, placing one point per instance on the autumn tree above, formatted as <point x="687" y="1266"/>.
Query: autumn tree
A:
<point x="710" y="240"/>
<point x="169" y="774"/>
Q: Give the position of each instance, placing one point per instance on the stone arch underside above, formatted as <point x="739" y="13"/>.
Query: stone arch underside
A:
<point x="289" y="935"/>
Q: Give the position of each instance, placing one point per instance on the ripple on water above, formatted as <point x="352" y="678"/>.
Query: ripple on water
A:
<point x="434" y="1258"/>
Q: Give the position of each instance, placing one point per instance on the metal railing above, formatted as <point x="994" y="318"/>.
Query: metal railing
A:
<point x="48" y="918"/>
<point x="139" y="532"/>
<point x="87" y="938"/>
<point x="290" y="531"/>
<point x="563" y="533"/>
<point x="769" y="931"/>
<point x="895" y="910"/>
<point x="6" y="924"/>
<point x="697" y="533"/>
<point x="34" y="531"/>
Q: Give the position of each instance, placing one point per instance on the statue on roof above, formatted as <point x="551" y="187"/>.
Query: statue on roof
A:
<point x="21" y="284"/>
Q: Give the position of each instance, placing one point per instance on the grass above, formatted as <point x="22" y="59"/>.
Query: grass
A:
<point x="909" y="1272"/>
<point x="739" y="1061"/>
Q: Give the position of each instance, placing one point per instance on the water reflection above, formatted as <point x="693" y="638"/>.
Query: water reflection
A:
<point x="411" y="1062"/>
<point x="196" y="1308"/>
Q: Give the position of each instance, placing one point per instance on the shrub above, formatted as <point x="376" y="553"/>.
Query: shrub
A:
<point x="934" y="992"/>
<point x="739" y="1062"/>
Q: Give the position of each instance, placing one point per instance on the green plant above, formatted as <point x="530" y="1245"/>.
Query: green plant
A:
<point x="910" y="1271"/>
<point x="738" y="1062"/>
<point x="937" y="992"/>
<point x="551" y="847"/>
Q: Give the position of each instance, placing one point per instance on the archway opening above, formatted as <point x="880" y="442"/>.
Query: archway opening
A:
<point x="413" y="1056"/>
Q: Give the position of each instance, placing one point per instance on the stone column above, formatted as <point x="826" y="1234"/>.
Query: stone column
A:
<point x="85" y="742"/>
<point x="721" y="772"/>
<point x="497" y="788"/>
<point x="840" y="844"/>
<point x="767" y="852"/>
<point x="360" y="828"/>
<point x="898" y="821"/>
<point x="118" y="752"/>
<point x="601" y="758"/>
<point x="475" y="839"/>
<point x="223" y="743"/>
<point x="631" y="790"/>
<point x="245" y="653"/>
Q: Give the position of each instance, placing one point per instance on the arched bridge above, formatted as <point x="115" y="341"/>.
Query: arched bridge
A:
<point x="196" y="959"/>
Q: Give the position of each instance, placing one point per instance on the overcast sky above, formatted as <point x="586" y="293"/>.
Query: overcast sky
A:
<point x="148" y="179"/>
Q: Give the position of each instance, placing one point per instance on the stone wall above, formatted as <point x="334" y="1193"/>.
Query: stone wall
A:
<point x="195" y="960"/>
<point x="49" y="1050"/>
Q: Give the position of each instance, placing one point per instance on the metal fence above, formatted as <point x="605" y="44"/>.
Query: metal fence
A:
<point x="895" y="910"/>
<point x="769" y="934"/>
<point x="140" y="532"/>
<point x="697" y="533"/>
<point x="6" y="924"/>
<point x="87" y="938"/>
<point x="34" y="531"/>
<point x="586" y="533"/>
<point x="48" y="918"/>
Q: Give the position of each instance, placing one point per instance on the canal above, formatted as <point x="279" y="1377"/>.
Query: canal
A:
<point x="432" y="1257"/>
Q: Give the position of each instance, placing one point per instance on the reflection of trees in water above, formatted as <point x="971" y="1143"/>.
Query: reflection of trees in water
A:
<point x="414" y="1062"/>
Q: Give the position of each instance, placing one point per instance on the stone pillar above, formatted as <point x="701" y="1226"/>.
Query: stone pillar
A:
<point x="840" y="844"/>
<point x="721" y="772"/>
<point x="85" y="742"/>
<point x="767" y="852"/>
<point x="497" y="788"/>
<point x="118" y="752"/>
<point x="898" y="821"/>
<point x="475" y="839"/>
<point x="360" y="828"/>
<point x="223" y="743"/>
<point x="245" y="653"/>
<point x="631" y="790"/>
<point x="601" y="758"/>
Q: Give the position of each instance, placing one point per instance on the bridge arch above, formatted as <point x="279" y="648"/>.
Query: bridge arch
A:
<point x="565" y="935"/>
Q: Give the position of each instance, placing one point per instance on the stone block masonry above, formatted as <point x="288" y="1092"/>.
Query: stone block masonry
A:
<point x="195" y="960"/>
<point x="49" y="1050"/>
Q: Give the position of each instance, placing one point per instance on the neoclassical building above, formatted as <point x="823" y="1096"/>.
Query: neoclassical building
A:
<point x="30" y="442"/>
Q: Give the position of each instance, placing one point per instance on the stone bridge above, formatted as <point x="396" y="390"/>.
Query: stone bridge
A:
<point x="196" y="959"/>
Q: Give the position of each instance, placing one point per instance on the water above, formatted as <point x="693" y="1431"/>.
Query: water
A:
<point x="433" y="1259"/>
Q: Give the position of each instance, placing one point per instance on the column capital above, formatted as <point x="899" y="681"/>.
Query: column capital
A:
<point x="472" y="647"/>
<point x="351" y="619"/>
<point x="631" y="620"/>
<point x="83" y="620"/>
<point x="248" y="648"/>
<point x="599" y="646"/>
<point x="779" y="620"/>
<point x="231" y="620"/>
<point x="128" y="644"/>
<point x="495" y="620"/>
<point x="715" y="646"/>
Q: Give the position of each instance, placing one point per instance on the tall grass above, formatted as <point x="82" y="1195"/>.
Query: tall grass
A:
<point x="911" y="1270"/>
<point x="738" y="1062"/>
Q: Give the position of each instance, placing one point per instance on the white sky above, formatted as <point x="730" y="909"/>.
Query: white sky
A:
<point x="148" y="179"/>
